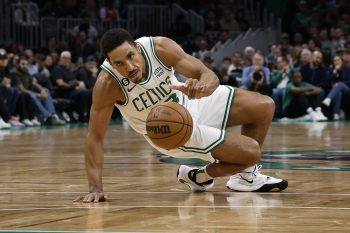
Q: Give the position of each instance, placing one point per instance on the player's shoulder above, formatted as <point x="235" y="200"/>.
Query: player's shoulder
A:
<point x="167" y="50"/>
<point x="161" y="42"/>
<point x="106" y="89"/>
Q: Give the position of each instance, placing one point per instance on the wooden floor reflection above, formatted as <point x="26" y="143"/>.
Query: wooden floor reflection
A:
<point x="42" y="171"/>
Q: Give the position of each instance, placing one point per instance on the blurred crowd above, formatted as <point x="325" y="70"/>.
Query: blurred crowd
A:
<point x="307" y="72"/>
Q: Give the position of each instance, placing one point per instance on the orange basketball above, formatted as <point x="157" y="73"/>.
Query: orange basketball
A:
<point x="169" y="125"/>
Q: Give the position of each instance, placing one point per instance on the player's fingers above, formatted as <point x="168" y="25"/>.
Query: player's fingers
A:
<point x="78" y="199"/>
<point x="97" y="197"/>
<point x="179" y="87"/>
<point x="191" y="85"/>
<point x="88" y="198"/>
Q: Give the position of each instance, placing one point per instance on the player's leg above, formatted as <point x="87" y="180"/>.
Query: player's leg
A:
<point x="239" y="153"/>
<point x="254" y="112"/>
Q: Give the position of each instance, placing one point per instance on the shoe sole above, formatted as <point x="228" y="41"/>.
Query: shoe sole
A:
<point x="267" y="187"/>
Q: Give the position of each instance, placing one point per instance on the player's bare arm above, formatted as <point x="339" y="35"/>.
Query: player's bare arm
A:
<point x="106" y="93"/>
<point x="201" y="81"/>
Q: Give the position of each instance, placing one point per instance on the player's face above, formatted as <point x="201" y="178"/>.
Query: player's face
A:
<point x="128" y="61"/>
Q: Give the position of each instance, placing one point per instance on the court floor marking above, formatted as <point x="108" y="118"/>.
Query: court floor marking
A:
<point x="187" y="192"/>
<point x="175" y="206"/>
<point x="39" y="231"/>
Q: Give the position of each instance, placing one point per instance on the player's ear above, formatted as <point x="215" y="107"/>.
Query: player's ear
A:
<point x="138" y="48"/>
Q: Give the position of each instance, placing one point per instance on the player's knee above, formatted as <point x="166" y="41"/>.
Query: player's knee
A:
<point x="268" y="107"/>
<point x="254" y="153"/>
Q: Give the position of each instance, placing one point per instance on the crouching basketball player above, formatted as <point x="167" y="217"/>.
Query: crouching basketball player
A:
<point x="137" y="75"/>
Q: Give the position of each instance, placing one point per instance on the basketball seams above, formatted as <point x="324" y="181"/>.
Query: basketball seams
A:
<point x="189" y="118"/>
<point x="184" y="121"/>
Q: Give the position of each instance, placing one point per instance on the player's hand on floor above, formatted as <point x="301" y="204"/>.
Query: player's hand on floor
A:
<point x="193" y="88"/>
<point x="93" y="197"/>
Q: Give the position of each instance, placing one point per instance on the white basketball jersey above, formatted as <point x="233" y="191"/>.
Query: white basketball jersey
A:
<point x="142" y="97"/>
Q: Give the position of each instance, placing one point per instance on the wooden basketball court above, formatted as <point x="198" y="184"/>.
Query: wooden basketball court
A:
<point x="42" y="171"/>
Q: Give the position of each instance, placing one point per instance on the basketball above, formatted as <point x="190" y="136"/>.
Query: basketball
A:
<point x="169" y="125"/>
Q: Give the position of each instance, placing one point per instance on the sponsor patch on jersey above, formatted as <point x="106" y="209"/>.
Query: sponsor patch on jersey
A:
<point x="125" y="81"/>
<point x="158" y="72"/>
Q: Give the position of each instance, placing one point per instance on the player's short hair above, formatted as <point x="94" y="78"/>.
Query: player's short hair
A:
<point x="114" y="38"/>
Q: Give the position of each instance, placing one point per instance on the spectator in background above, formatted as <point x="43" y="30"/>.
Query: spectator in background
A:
<point x="8" y="94"/>
<point x="311" y="45"/>
<point x="49" y="63"/>
<point x="43" y="77"/>
<point x="346" y="58"/>
<point x="285" y="46"/>
<point x="88" y="72"/>
<point x="224" y="77"/>
<point x="235" y="70"/>
<point x="88" y="28"/>
<point x="203" y="49"/>
<point x="82" y="48"/>
<point x="55" y="57"/>
<point x="302" y="99"/>
<point x="340" y="77"/>
<point x="208" y="62"/>
<point x="279" y="80"/>
<point x="32" y="69"/>
<point x="316" y="73"/>
<point x="305" y="57"/>
<point x="12" y="61"/>
<point x="25" y="106"/>
<point x="257" y="77"/>
<point x="224" y="36"/>
<point x="324" y="39"/>
<point x="5" y="115"/>
<point x="248" y="55"/>
<point x="51" y="45"/>
<point x="67" y="86"/>
<point x="40" y="96"/>
<point x="109" y="12"/>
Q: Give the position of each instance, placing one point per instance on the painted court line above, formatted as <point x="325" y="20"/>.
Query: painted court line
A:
<point x="175" y="206"/>
<point x="188" y="192"/>
<point x="32" y="231"/>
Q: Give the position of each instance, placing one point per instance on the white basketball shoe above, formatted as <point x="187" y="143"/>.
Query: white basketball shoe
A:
<point x="187" y="175"/>
<point x="255" y="182"/>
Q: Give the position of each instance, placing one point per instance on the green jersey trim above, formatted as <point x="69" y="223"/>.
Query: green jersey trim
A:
<point x="148" y="61"/>
<point x="156" y="56"/>
<point x="222" y="137"/>
<point x="105" y="68"/>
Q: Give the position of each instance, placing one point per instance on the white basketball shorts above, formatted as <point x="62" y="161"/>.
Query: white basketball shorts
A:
<point x="210" y="115"/>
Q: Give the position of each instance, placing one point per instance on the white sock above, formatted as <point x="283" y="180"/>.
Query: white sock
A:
<point x="202" y="175"/>
<point x="318" y="109"/>
<point x="327" y="101"/>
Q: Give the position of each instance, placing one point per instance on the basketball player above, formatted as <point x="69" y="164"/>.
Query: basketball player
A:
<point x="137" y="75"/>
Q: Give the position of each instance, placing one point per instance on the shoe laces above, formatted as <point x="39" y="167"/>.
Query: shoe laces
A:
<point x="256" y="170"/>
<point x="253" y="174"/>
